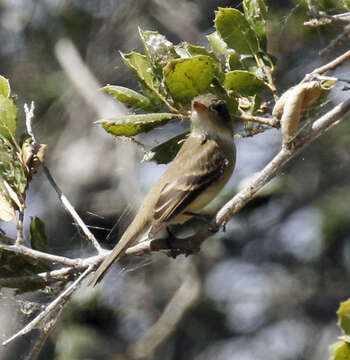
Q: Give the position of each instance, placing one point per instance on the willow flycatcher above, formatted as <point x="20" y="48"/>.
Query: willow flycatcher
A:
<point x="199" y="171"/>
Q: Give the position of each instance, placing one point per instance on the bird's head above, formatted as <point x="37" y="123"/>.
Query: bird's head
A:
<point x="210" y="115"/>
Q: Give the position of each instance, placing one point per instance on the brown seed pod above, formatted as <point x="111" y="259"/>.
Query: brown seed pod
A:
<point x="290" y="105"/>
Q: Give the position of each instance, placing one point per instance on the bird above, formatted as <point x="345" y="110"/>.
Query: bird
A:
<point x="197" y="174"/>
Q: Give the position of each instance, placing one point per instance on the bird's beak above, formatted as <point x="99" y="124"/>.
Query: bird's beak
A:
<point x="199" y="107"/>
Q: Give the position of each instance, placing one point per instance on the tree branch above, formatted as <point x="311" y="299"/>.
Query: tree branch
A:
<point x="35" y="254"/>
<point x="44" y="278"/>
<point x="53" y="306"/>
<point x="70" y="209"/>
<point x="330" y="66"/>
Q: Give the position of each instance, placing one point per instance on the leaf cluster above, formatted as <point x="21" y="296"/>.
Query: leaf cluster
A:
<point x="235" y="67"/>
<point x="19" y="160"/>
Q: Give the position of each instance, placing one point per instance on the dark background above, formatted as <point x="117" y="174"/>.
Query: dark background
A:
<point x="267" y="288"/>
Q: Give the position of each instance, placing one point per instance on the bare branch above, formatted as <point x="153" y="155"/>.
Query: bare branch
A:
<point x="44" y="333"/>
<point x="41" y="279"/>
<point x="69" y="207"/>
<point x="55" y="304"/>
<point x="330" y="66"/>
<point x="321" y="18"/>
<point x="65" y="202"/>
<point x="19" y="227"/>
<point x="35" y="254"/>
<point x="29" y="120"/>
<point x="261" y="120"/>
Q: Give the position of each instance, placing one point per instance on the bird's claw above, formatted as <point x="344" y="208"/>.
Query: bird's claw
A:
<point x="175" y="251"/>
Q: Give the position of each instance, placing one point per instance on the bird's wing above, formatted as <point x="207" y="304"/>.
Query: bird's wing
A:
<point x="198" y="173"/>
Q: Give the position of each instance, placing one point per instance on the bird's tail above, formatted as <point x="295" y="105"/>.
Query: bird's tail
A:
<point x="107" y="263"/>
<point x="129" y="237"/>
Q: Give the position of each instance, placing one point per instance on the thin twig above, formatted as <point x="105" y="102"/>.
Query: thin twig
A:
<point x="35" y="254"/>
<point x="55" y="304"/>
<point x="41" y="279"/>
<point x="336" y="42"/>
<point x="29" y="120"/>
<point x="258" y="119"/>
<point x="330" y="66"/>
<point x="69" y="207"/>
<point x="321" y="19"/>
<point x="44" y="333"/>
<point x="19" y="228"/>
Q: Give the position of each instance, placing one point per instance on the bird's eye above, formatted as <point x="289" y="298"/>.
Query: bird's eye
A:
<point x="218" y="108"/>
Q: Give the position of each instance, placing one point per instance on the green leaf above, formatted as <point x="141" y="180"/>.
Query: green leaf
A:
<point x="38" y="238"/>
<point x="243" y="82"/>
<point x="166" y="151"/>
<point x="218" y="44"/>
<point x="5" y="89"/>
<point x="340" y="351"/>
<point x="11" y="167"/>
<point x="344" y="316"/>
<point x="130" y="98"/>
<point x="187" y="50"/>
<point x="148" y="81"/>
<point x="8" y="117"/>
<point x="186" y="78"/>
<point x="130" y="125"/>
<point x="234" y="29"/>
<point x="234" y="61"/>
<point x="255" y="104"/>
<point x="255" y="11"/>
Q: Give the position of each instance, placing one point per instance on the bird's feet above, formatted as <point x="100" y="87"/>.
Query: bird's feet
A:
<point x="178" y="246"/>
<point x="205" y="217"/>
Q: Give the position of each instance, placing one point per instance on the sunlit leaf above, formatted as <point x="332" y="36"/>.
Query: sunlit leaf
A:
<point x="130" y="125"/>
<point x="8" y="117"/>
<point x="243" y="82"/>
<point x="187" y="50"/>
<point x="186" y="78"/>
<point x="340" y="351"/>
<point x="218" y="44"/>
<point x="234" y="29"/>
<point x="143" y="70"/>
<point x="130" y="98"/>
<point x="5" y="89"/>
<point x="344" y="316"/>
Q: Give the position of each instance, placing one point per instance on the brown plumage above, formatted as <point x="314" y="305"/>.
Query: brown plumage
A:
<point x="197" y="174"/>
